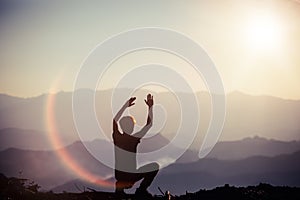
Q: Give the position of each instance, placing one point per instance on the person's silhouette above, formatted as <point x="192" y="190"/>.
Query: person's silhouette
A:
<point x="126" y="172"/>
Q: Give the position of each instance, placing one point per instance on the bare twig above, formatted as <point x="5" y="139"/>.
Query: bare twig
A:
<point x="161" y="191"/>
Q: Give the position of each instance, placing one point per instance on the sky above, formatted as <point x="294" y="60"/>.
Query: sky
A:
<point x="254" y="44"/>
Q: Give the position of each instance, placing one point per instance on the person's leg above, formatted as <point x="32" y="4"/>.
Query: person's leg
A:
<point x="148" y="173"/>
<point x="119" y="187"/>
<point x="123" y="181"/>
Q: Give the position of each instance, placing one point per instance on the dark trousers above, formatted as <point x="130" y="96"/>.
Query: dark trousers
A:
<point x="126" y="180"/>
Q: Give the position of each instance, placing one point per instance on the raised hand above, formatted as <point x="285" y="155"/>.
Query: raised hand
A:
<point x="130" y="102"/>
<point x="149" y="100"/>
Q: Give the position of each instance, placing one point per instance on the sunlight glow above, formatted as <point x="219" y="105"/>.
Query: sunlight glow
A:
<point x="263" y="33"/>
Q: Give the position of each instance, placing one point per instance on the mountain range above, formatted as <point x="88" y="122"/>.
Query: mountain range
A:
<point x="223" y="150"/>
<point x="246" y="115"/>
<point x="209" y="172"/>
<point x="241" y="162"/>
<point x="259" y="142"/>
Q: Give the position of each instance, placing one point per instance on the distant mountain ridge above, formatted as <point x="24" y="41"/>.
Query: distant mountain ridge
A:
<point x="46" y="168"/>
<point x="208" y="173"/>
<point x="238" y="158"/>
<point x="283" y="170"/>
<point x="223" y="150"/>
<point x="252" y="146"/>
<point x="247" y="115"/>
<point x="247" y="147"/>
<point x="24" y="139"/>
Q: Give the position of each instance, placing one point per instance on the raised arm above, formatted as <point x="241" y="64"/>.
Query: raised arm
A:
<point x="149" y="123"/>
<point x="127" y="104"/>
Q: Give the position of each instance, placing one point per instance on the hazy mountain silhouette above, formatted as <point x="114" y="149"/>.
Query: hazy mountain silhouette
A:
<point x="231" y="150"/>
<point x="9" y="101"/>
<point x="247" y="147"/>
<point x="247" y="115"/>
<point x="224" y="150"/>
<point x="30" y="114"/>
<point x="208" y="173"/>
<point x="46" y="168"/>
<point x="239" y="162"/>
<point x="24" y="139"/>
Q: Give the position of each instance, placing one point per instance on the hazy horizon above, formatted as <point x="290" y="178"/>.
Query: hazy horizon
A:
<point x="254" y="45"/>
<point x="109" y="89"/>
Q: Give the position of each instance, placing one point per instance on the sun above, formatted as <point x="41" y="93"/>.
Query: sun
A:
<point x="263" y="33"/>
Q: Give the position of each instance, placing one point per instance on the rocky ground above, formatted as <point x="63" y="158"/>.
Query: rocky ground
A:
<point x="16" y="188"/>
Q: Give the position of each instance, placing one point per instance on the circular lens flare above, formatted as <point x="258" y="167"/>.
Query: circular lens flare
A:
<point x="63" y="154"/>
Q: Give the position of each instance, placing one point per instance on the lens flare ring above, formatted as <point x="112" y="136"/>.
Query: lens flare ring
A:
<point x="63" y="154"/>
<point x="99" y="60"/>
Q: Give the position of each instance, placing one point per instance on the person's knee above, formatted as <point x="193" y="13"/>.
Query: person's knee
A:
<point x="149" y="168"/>
<point x="124" y="184"/>
<point x="155" y="166"/>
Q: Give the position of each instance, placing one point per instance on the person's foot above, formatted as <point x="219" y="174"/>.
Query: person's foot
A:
<point x="143" y="193"/>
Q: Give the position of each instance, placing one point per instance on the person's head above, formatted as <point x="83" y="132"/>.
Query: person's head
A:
<point x="127" y="124"/>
